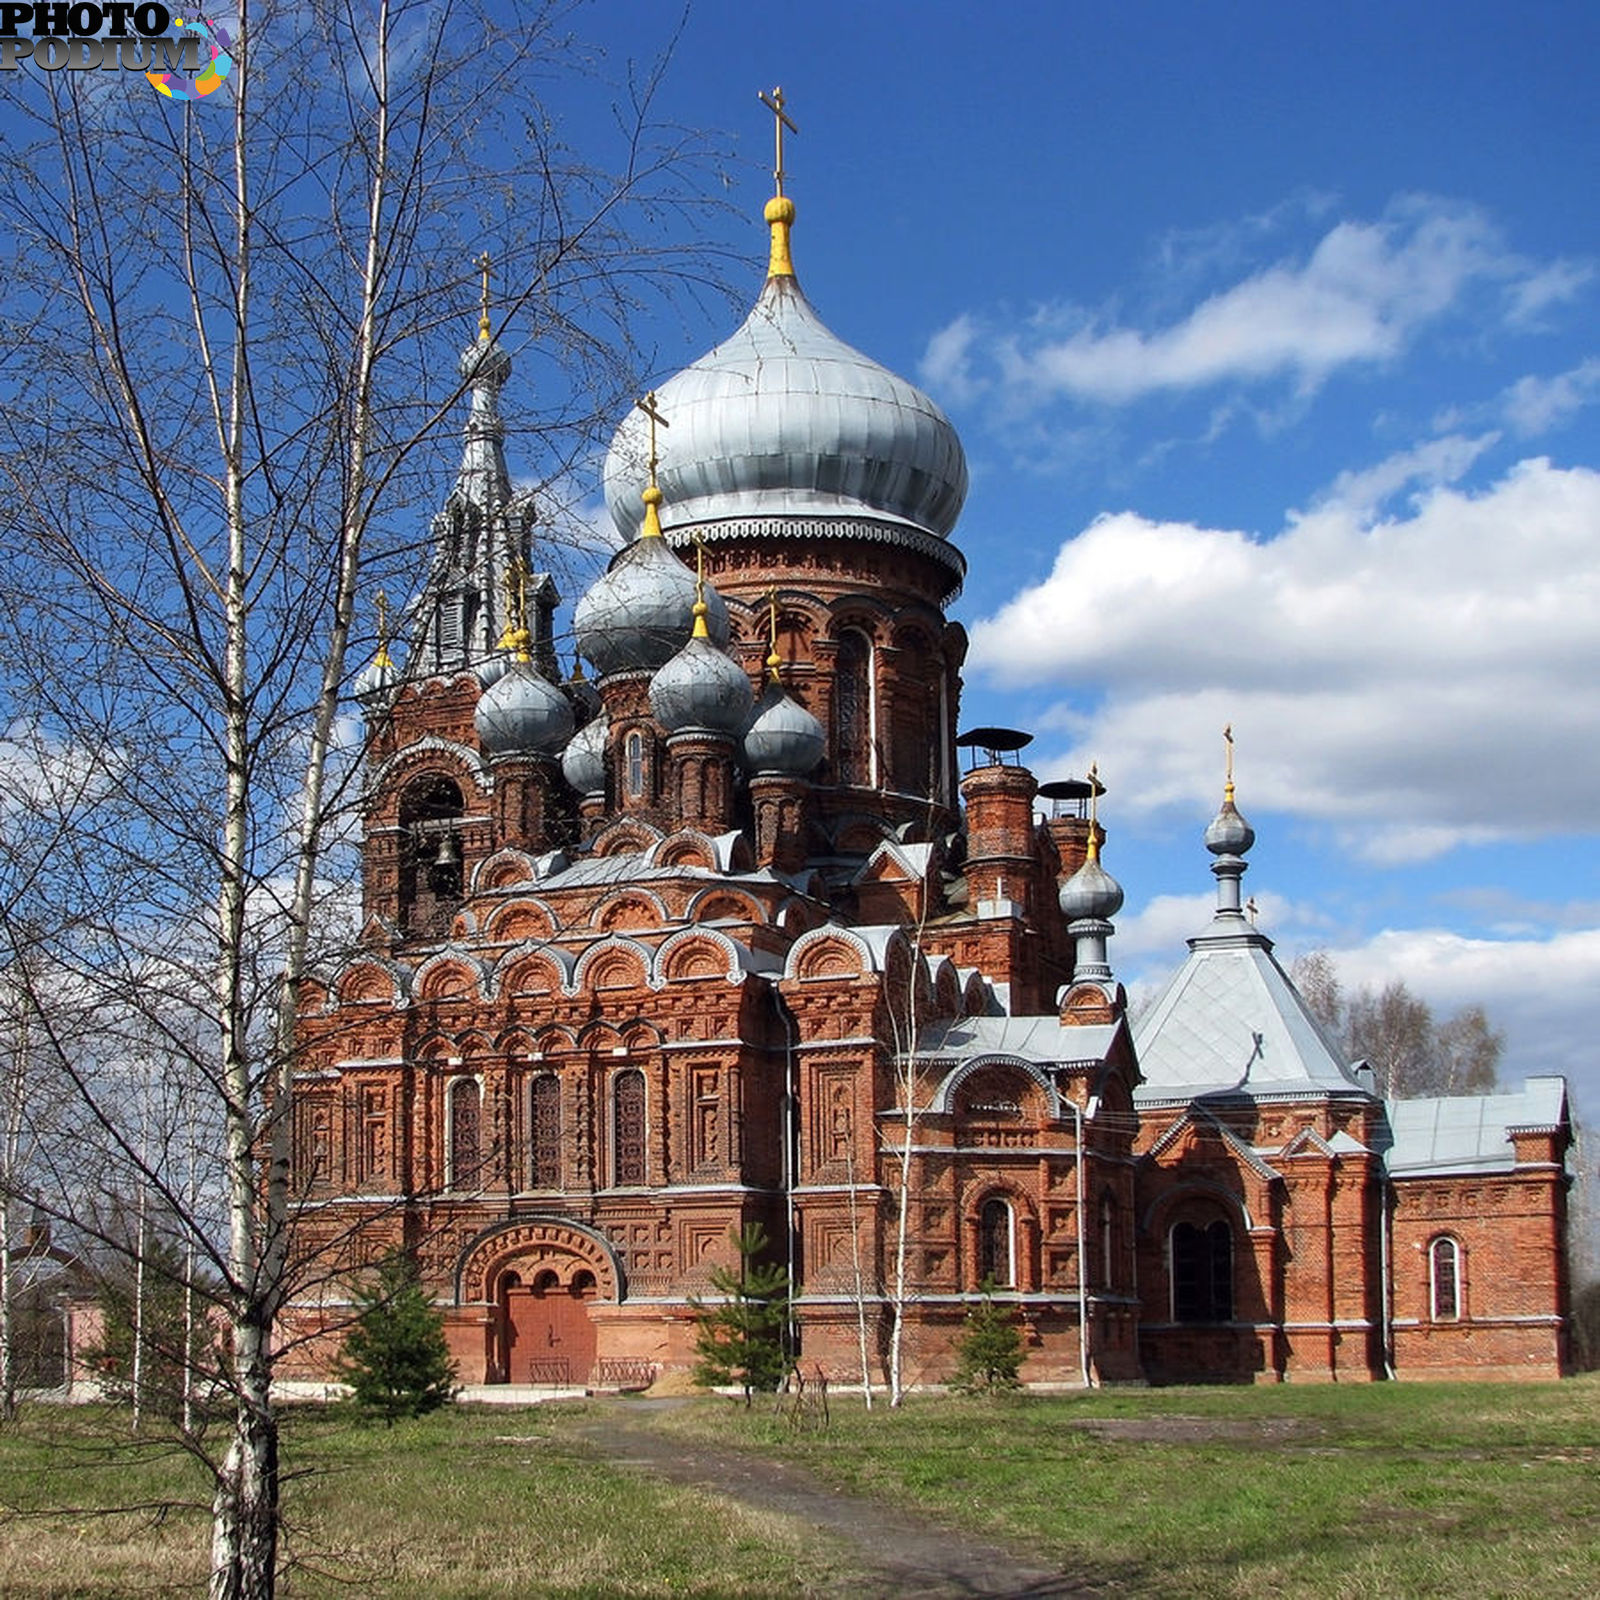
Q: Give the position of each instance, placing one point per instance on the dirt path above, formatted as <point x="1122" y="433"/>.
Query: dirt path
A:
<point x="902" y="1553"/>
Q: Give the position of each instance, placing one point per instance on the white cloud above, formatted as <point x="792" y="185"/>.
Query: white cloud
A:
<point x="1357" y="298"/>
<point x="1534" y="405"/>
<point x="1416" y="681"/>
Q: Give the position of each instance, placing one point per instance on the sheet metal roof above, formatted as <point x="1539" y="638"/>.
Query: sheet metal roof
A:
<point x="1036" y="1039"/>
<point x="1231" y="1020"/>
<point x="1470" y="1132"/>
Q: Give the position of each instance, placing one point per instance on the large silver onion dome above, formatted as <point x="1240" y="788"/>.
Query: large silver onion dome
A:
<point x="583" y="763"/>
<point x="701" y="687"/>
<point x="638" y="613"/>
<point x="785" y="419"/>
<point x="783" y="737"/>
<point x="522" y="714"/>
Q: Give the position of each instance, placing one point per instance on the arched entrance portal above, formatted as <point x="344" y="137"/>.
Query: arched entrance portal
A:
<point x="535" y="1280"/>
<point x="542" y="1326"/>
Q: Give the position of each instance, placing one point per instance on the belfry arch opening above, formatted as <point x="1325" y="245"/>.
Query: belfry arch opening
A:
<point x="430" y="854"/>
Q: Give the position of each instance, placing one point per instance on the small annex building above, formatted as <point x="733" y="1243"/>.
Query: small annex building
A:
<point x="718" y="932"/>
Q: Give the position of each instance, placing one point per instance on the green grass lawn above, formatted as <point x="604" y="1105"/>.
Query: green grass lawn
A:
<point x="1385" y="1489"/>
<point x="463" y="1503"/>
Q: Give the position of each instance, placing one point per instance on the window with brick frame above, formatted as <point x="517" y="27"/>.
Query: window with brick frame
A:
<point x="997" y="1244"/>
<point x="544" y="1132"/>
<point x="466" y="1133"/>
<point x="1444" y="1280"/>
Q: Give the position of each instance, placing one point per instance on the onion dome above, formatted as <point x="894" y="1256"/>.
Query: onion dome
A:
<point x="1229" y="834"/>
<point x="523" y="714"/>
<point x="583" y="763"/>
<point x="783" y="737"/>
<point x="701" y="686"/>
<point x="1091" y="893"/>
<point x="636" y="614"/>
<point x="377" y="680"/>
<point x="784" y="419"/>
<point x="492" y="669"/>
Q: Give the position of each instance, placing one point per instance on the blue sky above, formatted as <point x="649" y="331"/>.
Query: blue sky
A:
<point x="1271" y="333"/>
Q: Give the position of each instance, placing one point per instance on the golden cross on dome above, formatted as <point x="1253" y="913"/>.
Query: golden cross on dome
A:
<point x="780" y="120"/>
<point x="1094" y="811"/>
<point x="382" y="607"/>
<point x="773" y="659"/>
<point x="648" y="406"/>
<point x="483" y="263"/>
<point x="1227" y="739"/>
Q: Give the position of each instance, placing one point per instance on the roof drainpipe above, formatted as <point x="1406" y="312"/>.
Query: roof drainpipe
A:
<point x="1083" y="1266"/>
<point x="791" y="1143"/>
<point x="1386" y="1279"/>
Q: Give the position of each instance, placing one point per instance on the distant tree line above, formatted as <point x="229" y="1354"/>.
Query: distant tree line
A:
<point x="1410" y="1051"/>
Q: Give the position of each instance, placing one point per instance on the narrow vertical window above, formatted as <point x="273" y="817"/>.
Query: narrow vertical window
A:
<point x="1108" y="1239"/>
<point x="544" y="1117"/>
<point x="1444" y="1257"/>
<point x="466" y="1133"/>
<point x="628" y="1102"/>
<point x="635" y="749"/>
<point x="852" y="710"/>
<point x="995" y="1255"/>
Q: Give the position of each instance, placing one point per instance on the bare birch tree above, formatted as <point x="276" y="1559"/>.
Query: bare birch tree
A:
<point x="228" y="359"/>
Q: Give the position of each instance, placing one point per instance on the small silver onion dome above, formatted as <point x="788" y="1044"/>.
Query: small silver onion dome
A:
<point x="523" y="714"/>
<point x="1229" y="834"/>
<point x="376" y="681"/>
<point x="701" y="687"/>
<point x="1091" y="893"/>
<point x="637" y="614"/>
<point x="785" y="419"/>
<point x="583" y="763"/>
<point x="783" y="737"/>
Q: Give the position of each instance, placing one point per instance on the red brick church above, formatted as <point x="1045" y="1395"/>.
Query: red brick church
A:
<point x="723" y="933"/>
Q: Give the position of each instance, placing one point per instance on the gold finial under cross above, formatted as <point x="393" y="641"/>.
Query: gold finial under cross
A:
<point x="1227" y="739"/>
<point x="648" y="406"/>
<point x="774" y="662"/>
<point x="780" y="120"/>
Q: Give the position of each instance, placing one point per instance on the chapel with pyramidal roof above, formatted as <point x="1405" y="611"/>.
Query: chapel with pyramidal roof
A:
<point x="722" y="933"/>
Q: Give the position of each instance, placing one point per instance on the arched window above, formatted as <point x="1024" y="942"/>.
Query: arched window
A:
<point x="1108" y="1240"/>
<point x="544" y="1127"/>
<point x="635" y="759"/>
<point x="1444" y="1275"/>
<point x="853" y="730"/>
<point x="1202" y="1272"/>
<point x="996" y="1256"/>
<point x="466" y="1133"/>
<point x="627" y="1098"/>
